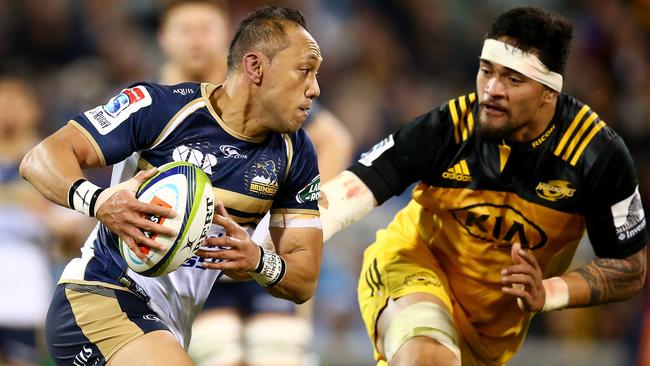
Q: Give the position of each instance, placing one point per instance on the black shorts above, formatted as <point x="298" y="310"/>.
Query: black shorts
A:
<point x="87" y="324"/>
<point x="248" y="297"/>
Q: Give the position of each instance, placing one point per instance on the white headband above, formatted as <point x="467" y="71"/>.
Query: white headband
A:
<point x="518" y="60"/>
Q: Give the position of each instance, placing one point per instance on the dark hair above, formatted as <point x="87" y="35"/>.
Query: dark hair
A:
<point x="263" y="30"/>
<point x="534" y="30"/>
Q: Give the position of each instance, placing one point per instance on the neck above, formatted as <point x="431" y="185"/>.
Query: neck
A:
<point x="238" y="108"/>
<point x="537" y="125"/>
<point x="172" y="74"/>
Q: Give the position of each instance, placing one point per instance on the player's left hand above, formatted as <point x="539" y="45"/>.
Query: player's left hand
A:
<point x="239" y="255"/>
<point x="524" y="280"/>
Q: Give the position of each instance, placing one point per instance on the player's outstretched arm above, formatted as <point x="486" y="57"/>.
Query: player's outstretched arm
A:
<point x="601" y="281"/>
<point x="344" y="200"/>
<point x="54" y="168"/>
<point x="605" y="280"/>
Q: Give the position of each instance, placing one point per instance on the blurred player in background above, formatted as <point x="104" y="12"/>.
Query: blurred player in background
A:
<point x="509" y="179"/>
<point x="32" y="228"/>
<point x="103" y="312"/>
<point x="241" y="323"/>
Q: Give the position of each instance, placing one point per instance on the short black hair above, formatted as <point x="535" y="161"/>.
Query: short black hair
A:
<point x="535" y="30"/>
<point x="263" y="30"/>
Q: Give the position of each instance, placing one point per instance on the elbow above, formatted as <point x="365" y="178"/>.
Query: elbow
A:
<point x="26" y="164"/>
<point x="306" y="293"/>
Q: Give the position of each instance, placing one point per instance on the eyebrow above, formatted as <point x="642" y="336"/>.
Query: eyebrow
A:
<point x="509" y="70"/>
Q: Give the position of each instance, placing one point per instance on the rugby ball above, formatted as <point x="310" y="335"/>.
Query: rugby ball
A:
<point x="185" y="188"/>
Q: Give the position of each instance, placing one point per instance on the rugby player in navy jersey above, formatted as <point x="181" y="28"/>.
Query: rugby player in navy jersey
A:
<point x="241" y="323"/>
<point x="509" y="178"/>
<point x="245" y="133"/>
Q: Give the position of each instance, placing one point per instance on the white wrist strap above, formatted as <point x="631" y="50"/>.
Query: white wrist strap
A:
<point x="270" y="269"/>
<point x="82" y="197"/>
<point x="557" y="294"/>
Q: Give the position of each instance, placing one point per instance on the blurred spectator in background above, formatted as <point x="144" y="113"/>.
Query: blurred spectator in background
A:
<point x="34" y="232"/>
<point x="239" y="321"/>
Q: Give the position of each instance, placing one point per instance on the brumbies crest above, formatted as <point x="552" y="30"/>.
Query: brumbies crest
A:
<point x="311" y="192"/>
<point x="262" y="177"/>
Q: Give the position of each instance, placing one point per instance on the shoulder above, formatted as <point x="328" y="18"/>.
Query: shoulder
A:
<point x="583" y="135"/>
<point x="456" y="116"/>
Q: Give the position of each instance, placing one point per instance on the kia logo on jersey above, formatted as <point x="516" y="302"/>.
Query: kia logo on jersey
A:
<point x="204" y="161"/>
<point x="502" y="225"/>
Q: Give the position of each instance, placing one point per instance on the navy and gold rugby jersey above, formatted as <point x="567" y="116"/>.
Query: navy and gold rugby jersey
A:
<point x="149" y="125"/>
<point x="475" y="198"/>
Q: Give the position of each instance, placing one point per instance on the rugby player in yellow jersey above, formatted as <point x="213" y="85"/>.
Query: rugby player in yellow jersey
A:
<point x="509" y="179"/>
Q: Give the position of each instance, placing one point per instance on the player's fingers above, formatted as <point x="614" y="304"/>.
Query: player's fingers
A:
<point x="153" y="228"/>
<point x="141" y="238"/>
<point x="149" y="209"/>
<point x="528" y="258"/>
<point x="131" y="243"/>
<point x="518" y="268"/>
<point x="518" y="279"/>
<point x="514" y="253"/>
<point x="226" y="265"/>
<point x="143" y="175"/>
<point x="224" y="254"/>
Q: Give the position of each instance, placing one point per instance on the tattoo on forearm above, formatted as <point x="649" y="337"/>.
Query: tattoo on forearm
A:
<point x="614" y="279"/>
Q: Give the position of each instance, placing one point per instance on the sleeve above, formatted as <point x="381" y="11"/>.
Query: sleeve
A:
<point x="129" y="122"/>
<point x="301" y="189"/>
<point x="614" y="213"/>
<point x="404" y="157"/>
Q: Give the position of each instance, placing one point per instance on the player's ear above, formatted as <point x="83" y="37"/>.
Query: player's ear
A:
<point x="252" y="67"/>
<point x="549" y="95"/>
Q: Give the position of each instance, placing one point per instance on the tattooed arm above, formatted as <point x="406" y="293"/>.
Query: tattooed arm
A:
<point x="606" y="280"/>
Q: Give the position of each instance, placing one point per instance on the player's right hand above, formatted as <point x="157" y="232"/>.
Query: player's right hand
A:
<point x="123" y="214"/>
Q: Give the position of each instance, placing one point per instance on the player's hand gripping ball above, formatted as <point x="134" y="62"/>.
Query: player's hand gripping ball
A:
<point x="185" y="188"/>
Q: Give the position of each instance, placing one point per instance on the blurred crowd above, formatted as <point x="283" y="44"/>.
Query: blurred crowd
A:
<point x="385" y="62"/>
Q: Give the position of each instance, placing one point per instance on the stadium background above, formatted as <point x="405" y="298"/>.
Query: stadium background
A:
<point x="385" y="62"/>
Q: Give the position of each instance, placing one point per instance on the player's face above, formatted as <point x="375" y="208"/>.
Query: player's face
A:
<point x="509" y="102"/>
<point x="195" y="37"/>
<point x="289" y="82"/>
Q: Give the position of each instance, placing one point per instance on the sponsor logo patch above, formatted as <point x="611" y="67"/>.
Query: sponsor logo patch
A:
<point x="458" y="172"/>
<point x="192" y="155"/>
<point x="368" y="157"/>
<point x="233" y="152"/>
<point x="183" y="91"/>
<point x="629" y="217"/>
<point x="554" y="190"/>
<point x="311" y="192"/>
<point x="499" y="224"/>
<point x="106" y="118"/>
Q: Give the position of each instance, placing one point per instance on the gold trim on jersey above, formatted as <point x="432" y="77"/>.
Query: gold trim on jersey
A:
<point x="206" y="91"/>
<point x="504" y="154"/>
<point x="242" y="202"/>
<point x="463" y="121"/>
<point x="172" y="122"/>
<point x="289" y="146"/>
<point x="580" y="132"/>
<point x="144" y="164"/>
<point x="91" y="139"/>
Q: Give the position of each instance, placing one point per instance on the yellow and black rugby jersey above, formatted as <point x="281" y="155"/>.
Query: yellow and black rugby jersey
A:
<point x="578" y="168"/>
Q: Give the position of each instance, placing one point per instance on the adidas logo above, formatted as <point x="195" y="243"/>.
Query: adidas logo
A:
<point x="458" y="172"/>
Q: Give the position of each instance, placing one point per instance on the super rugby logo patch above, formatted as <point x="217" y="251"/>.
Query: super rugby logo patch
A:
<point x="106" y="118"/>
<point x="629" y="217"/>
